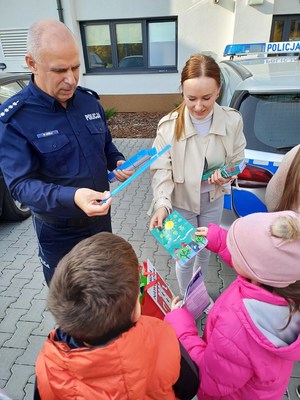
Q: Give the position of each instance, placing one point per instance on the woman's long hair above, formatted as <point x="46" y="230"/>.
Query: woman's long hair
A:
<point x="290" y="197"/>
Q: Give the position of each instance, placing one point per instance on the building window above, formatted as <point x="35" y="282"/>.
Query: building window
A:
<point x="285" y="28"/>
<point x="135" y="46"/>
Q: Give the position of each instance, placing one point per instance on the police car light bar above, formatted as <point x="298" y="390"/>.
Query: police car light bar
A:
<point x="267" y="48"/>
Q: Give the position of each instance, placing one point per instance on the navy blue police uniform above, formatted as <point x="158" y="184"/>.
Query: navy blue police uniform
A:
<point x="47" y="152"/>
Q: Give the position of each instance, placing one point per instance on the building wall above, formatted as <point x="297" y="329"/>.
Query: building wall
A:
<point x="253" y="23"/>
<point x="282" y="7"/>
<point x="15" y="15"/>
<point x="196" y="33"/>
<point x="203" y="26"/>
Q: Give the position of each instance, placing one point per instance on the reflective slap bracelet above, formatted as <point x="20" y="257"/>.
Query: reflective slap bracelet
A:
<point x="137" y="172"/>
<point x="134" y="162"/>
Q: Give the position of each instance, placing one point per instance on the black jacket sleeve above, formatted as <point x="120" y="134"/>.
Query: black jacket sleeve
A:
<point x="189" y="379"/>
<point x="36" y="395"/>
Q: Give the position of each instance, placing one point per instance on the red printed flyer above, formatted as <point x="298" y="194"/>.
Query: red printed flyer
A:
<point x="158" y="290"/>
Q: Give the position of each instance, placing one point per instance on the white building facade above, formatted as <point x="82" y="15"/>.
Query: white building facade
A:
<point x="132" y="51"/>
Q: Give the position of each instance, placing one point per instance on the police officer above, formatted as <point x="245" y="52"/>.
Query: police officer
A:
<point x="55" y="147"/>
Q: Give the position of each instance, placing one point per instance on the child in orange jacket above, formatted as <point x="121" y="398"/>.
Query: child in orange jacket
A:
<point x="104" y="348"/>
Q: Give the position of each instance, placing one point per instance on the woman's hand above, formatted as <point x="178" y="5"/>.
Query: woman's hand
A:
<point x="217" y="179"/>
<point x="158" y="218"/>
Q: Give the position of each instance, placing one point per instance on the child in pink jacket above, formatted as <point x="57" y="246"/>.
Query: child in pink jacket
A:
<point x="252" y="334"/>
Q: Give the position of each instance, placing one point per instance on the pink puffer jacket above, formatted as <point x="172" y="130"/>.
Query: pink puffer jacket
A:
<point x="244" y="354"/>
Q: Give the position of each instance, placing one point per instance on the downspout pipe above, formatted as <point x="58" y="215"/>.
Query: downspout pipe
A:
<point x="60" y="11"/>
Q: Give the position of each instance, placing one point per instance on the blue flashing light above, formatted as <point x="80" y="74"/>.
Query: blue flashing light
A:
<point x="243" y="49"/>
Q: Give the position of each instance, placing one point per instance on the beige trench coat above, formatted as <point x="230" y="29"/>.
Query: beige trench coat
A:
<point x="176" y="175"/>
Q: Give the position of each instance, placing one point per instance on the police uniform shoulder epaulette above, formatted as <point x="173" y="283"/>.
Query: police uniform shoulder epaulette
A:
<point x="169" y="117"/>
<point x="9" y="108"/>
<point x="90" y="91"/>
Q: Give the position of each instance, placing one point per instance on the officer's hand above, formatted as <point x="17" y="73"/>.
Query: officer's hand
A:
<point x="158" y="218"/>
<point x="90" y="201"/>
<point x="121" y="176"/>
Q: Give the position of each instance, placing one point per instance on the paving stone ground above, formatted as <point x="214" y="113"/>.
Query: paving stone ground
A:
<point x="24" y="319"/>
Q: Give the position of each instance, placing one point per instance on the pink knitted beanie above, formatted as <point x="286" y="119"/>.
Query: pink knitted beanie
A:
<point x="266" y="247"/>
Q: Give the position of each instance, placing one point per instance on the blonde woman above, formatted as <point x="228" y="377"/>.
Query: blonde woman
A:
<point x="202" y="135"/>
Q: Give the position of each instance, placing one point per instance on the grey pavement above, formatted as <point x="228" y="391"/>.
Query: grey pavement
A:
<point x="24" y="319"/>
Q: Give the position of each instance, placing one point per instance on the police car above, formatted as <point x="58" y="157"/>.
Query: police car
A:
<point x="264" y="85"/>
<point x="10" y="209"/>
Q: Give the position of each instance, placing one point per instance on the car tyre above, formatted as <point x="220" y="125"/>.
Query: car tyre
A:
<point x="12" y="210"/>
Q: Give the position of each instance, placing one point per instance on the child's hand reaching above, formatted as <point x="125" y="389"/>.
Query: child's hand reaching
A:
<point x="176" y="303"/>
<point x="201" y="231"/>
<point x="216" y="237"/>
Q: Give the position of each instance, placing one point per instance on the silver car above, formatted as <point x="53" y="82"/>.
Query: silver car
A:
<point x="11" y="209"/>
<point x="266" y="91"/>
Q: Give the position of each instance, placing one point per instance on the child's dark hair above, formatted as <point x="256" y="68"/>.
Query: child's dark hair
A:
<point x="95" y="287"/>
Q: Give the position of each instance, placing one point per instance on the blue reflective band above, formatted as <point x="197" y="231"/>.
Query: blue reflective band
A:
<point x="135" y="161"/>
<point x="269" y="48"/>
<point x="138" y="172"/>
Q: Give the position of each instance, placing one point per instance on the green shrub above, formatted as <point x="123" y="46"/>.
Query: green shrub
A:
<point x="110" y="112"/>
<point x="177" y="104"/>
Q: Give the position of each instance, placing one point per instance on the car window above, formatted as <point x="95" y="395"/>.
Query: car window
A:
<point x="271" y="122"/>
<point x="132" y="62"/>
<point x="9" y="89"/>
<point x="95" y="61"/>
